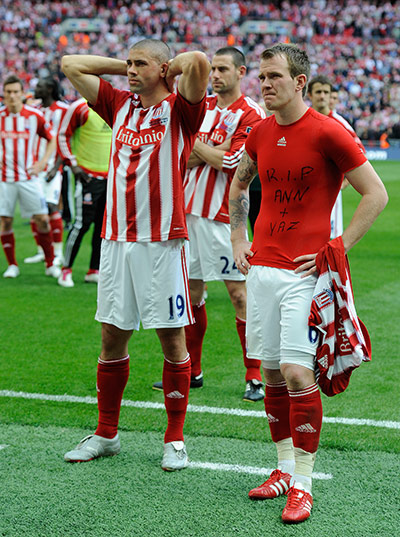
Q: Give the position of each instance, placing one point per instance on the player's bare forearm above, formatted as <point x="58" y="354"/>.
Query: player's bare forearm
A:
<point x="194" y="160"/>
<point x="83" y="71"/>
<point x="374" y="199"/>
<point x="213" y="156"/>
<point x="194" y="68"/>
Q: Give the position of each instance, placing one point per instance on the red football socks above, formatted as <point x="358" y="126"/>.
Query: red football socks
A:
<point x="176" y="384"/>
<point x="112" y="377"/>
<point x="306" y="418"/>
<point x="34" y="231"/>
<point x="45" y="240"/>
<point x="277" y="406"/>
<point x="57" y="227"/>
<point x="195" y="335"/>
<point x="252" y="366"/>
<point x="8" y="242"/>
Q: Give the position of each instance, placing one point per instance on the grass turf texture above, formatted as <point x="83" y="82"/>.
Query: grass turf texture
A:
<point x="49" y="344"/>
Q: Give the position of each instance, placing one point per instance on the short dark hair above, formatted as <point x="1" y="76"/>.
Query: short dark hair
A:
<point x="297" y="59"/>
<point x="159" y="50"/>
<point x="236" y="55"/>
<point x="319" y="79"/>
<point x="12" y="79"/>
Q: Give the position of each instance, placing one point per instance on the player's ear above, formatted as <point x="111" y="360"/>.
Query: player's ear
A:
<point x="164" y="69"/>
<point x="301" y="81"/>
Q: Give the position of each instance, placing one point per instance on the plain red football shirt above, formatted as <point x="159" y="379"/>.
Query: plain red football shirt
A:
<point x="301" y="168"/>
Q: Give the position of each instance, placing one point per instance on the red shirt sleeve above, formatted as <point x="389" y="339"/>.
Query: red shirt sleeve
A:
<point x="109" y="100"/>
<point x="191" y="115"/>
<point x="44" y="128"/>
<point x="232" y="157"/>
<point x="339" y="146"/>
<point x="75" y="117"/>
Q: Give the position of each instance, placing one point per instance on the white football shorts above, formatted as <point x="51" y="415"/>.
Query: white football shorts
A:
<point x="52" y="190"/>
<point x="144" y="282"/>
<point x="211" y="256"/>
<point x="29" y="194"/>
<point x="278" y="306"/>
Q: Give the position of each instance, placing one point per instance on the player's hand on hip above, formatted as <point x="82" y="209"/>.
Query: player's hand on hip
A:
<point x="241" y="254"/>
<point x="36" y="168"/>
<point x="307" y="266"/>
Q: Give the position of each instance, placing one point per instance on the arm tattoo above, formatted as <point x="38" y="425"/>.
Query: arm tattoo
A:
<point x="239" y="210"/>
<point x="239" y="207"/>
<point x="246" y="170"/>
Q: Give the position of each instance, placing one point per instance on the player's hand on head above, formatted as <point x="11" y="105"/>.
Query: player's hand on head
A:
<point x="170" y="78"/>
<point x="307" y="266"/>
<point x="241" y="254"/>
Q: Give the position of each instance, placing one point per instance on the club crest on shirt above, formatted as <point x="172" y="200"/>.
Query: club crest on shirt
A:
<point x="324" y="298"/>
<point x="132" y="138"/>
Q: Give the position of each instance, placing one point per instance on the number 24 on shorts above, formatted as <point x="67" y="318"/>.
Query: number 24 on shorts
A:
<point x="226" y="265"/>
<point x="176" y="307"/>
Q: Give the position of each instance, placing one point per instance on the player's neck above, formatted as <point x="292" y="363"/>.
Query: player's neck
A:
<point x="15" y="108"/>
<point x="324" y="111"/>
<point x="155" y="97"/>
<point x="226" y="99"/>
<point x="291" y="113"/>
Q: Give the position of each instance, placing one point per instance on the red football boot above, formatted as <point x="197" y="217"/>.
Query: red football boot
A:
<point x="298" y="506"/>
<point x="277" y="484"/>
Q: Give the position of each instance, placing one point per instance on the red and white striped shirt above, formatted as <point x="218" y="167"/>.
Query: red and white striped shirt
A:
<point x="344" y="341"/>
<point x="53" y="115"/>
<point x="206" y="188"/>
<point x="340" y="119"/>
<point x="18" y="138"/>
<point x="149" y="153"/>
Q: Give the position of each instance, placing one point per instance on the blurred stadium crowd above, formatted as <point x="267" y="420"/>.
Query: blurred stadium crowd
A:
<point x="354" y="43"/>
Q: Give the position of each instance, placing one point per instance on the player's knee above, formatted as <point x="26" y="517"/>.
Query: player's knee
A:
<point x="297" y="377"/>
<point x="42" y="222"/>
<point x="114" y="342"/>
<point x="6" y="223"/>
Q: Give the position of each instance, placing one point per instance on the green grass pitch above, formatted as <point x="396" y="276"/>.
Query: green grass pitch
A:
<point x="49" y="343"/>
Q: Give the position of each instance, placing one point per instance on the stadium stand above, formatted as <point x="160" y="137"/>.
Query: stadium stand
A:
<point x="352" y="42"/>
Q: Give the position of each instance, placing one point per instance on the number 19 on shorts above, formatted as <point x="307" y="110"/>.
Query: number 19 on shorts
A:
<point x="176" y="307"/>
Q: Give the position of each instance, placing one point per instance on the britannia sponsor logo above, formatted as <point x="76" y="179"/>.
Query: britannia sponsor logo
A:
<point x="144" y="137"/>
<point x="15" y="135"/>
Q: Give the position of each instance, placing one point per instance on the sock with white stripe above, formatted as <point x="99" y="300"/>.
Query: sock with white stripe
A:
<point x="8" y="242"/>
<point x="112" y="376"/>
<point x="176" y="385"/>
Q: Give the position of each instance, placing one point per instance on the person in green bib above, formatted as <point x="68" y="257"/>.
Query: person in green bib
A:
<point x="84" y="142"/>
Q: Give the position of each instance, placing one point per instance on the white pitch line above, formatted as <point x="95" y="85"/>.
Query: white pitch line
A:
<point x="246" y="469"/>
<point x="88" y="400"/>
<point x="3" y="446"/>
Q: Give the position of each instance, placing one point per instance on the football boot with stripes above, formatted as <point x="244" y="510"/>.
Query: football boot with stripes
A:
<point x="298" y="505"/>
<point x="277" y="484"/>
